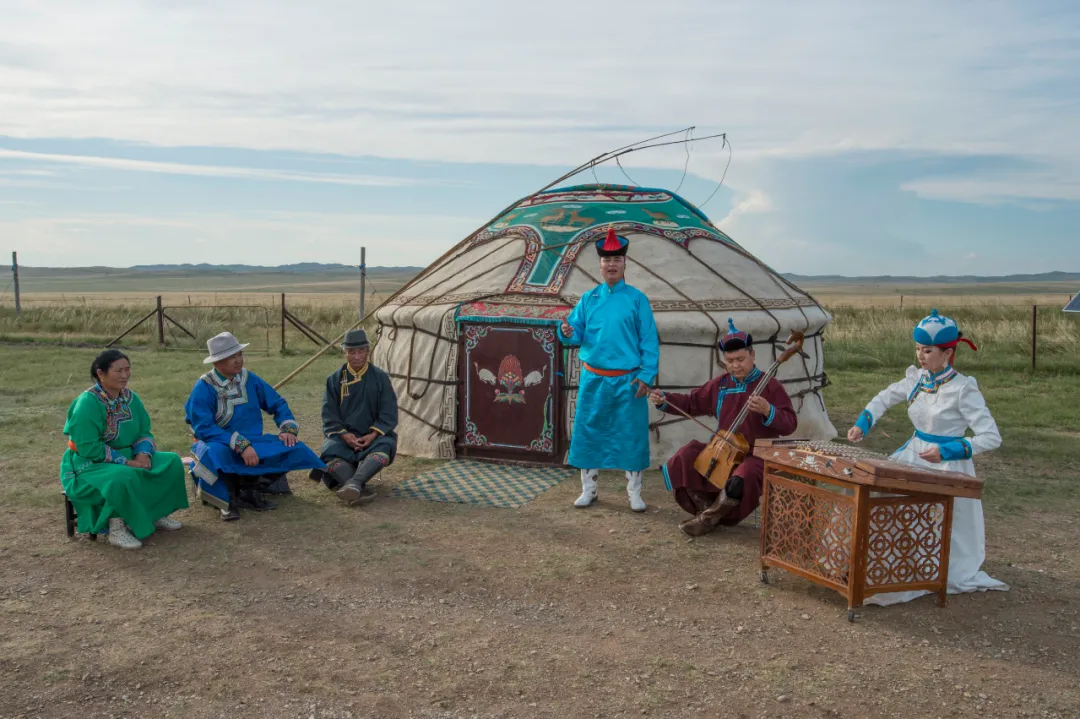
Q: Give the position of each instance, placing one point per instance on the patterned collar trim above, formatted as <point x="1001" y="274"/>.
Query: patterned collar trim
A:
<point x="736" y="387"/>
<point x="754" y="375"/>
<point x="930" y="383"/>
<point x="98" y="391"/>
<point x="230" y="392"/>
<point x="349" y="378"/>
<point x="117" y="410"/>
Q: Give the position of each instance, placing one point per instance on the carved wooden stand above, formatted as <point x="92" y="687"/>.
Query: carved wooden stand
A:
<point x="859" y="524"/>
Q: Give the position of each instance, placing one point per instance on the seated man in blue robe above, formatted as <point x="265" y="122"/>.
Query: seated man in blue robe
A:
<point x="233" y="458"/>
<point x="359" y="416"/>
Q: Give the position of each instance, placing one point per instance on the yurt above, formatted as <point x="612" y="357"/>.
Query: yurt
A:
<point x="471" y="344"/>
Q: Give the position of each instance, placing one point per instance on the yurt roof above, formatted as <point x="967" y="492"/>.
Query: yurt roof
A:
<point x="558" y="224"/>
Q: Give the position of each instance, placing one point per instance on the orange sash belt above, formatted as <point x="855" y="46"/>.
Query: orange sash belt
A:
<point x="606" y="372"/>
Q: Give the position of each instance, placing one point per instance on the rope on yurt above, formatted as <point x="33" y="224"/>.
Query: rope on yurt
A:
<point x="686" y="165"/>
<point x="722" y="177"/>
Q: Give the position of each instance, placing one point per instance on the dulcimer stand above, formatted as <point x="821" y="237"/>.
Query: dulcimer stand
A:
<point x="855" y="521"/>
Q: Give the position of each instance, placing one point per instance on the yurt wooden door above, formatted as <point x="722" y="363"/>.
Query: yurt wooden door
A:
<point x="510" y="403"/>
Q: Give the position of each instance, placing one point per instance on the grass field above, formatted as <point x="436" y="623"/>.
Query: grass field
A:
<point x="409" y="608"/>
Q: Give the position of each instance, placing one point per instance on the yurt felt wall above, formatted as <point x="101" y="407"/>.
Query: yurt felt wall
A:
<point x="532" y="264"/>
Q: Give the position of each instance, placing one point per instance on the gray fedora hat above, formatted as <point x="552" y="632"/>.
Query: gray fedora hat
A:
<point x="355" y="339"/>
<point x="222" y="347"/>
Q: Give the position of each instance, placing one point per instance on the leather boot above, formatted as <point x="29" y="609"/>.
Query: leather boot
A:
<point x="700" y="499"/>
<point x="355" y="492"/>
<point x="588" y="488"/>
<point x="337" y="473"/>
<point x="633" y="489"/>
<point x="275" y="484"/>
<point x="232" y="484"/>
<point x="706" y="522"/>
<point x="252" y="499"/>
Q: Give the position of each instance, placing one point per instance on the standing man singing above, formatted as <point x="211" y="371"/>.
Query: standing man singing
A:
<point x="620" y="354"/>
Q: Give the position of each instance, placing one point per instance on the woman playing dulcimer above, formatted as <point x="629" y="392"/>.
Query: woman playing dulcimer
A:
<point x="942" y="404"/>
<point x="725" y="397"/>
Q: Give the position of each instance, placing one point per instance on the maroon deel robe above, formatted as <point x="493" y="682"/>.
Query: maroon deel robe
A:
<point x="723" y="397"/>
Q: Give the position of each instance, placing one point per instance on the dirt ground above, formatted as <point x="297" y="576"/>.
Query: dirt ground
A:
<point x="408" y="608"/>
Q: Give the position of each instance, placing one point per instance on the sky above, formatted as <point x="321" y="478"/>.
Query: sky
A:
<point x="915" y="138"/>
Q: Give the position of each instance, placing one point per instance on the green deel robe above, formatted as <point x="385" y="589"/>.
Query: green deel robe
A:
<point x="104" y="434"/>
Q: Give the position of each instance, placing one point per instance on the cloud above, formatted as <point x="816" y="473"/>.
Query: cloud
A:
<point x="174" y="168"/>
<point x="754" y="202"/>
<point x="120" y="239"/>
<point x="476" y="82"/>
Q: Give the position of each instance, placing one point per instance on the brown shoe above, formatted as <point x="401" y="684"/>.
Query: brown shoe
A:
<point x="706" y="522"/>
<point x="699" y="526"/>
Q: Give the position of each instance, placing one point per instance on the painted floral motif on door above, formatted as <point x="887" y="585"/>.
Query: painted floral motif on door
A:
<point x="508" y="402"/>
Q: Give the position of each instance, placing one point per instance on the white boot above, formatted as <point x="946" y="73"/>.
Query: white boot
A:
<point x="168" y="524"/>
<point x="588" y="488"/>
<point x="121" y="536"/>
<point x="633" y="488"/>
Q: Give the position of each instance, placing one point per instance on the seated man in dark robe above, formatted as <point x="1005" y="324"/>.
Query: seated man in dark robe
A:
<point x="359" y="416"/>
<point x="771" y="415"/>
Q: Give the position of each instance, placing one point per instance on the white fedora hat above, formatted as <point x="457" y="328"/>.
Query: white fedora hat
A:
<point x="222" y="347"/>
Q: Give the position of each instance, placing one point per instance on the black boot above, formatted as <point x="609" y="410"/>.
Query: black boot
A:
<point x="232" y="483"/>
<point x="274" y="484"/>
<point x="356" y="493"/>
<point x="251" y="498"/>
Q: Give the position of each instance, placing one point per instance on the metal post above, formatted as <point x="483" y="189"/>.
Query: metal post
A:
<point x="15" y="275"/>
<point x="363" y="278"/>
<point x="1034" y="332"/>
<point x="160" y="322"/>
<point x="282" y="321"/>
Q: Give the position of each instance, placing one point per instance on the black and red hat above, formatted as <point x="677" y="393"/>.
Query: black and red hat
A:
<point x="612" y="245"/>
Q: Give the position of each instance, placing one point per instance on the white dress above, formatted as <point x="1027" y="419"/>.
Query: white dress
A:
<point x="941" y="407"/>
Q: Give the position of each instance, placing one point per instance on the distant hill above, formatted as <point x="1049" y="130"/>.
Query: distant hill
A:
<point x="936" y="279"/>
<point x="301" y="267"/>
<point x="320" y="268"/>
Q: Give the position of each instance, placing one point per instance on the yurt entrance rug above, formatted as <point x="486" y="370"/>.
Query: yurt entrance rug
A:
<point x="492" y="485"/>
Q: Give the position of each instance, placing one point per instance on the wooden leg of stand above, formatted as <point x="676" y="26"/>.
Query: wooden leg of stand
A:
<point x="860" y="532"/>
<point x="946" y="544"/>
<point x="764" y="530"/>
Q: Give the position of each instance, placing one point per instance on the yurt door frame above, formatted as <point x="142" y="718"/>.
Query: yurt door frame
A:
<point x="510" y="401"/>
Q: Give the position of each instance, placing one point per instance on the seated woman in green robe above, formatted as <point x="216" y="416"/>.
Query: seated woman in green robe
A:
<point x="112" y="472"/>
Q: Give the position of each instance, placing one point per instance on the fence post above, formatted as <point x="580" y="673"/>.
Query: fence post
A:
<point x="15" y="279"/>
<point x="363" y="277"/>
<point x="160" y="322"/>
<point x="282" y="321"/>
<point x="1034" y="332"/>
<point x="901" y="303"/>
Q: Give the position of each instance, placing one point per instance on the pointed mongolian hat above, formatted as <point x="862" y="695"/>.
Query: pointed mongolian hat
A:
<point x="939" y="331"/>
<point x="612" y="245"/>
<point x="735" y="339"/>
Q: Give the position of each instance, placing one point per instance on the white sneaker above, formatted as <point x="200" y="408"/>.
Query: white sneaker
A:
<point x="121" y="536"/>
<point x="633" y="488"/>
<point x="588" y="488"/>
<point x="168" y="524"/>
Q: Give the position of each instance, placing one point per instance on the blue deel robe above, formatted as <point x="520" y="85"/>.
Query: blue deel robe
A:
<point x="226" y="417"/>
<point x="615" y="329"/>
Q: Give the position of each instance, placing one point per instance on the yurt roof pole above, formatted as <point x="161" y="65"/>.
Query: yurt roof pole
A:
<point x="599" y="159"/>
